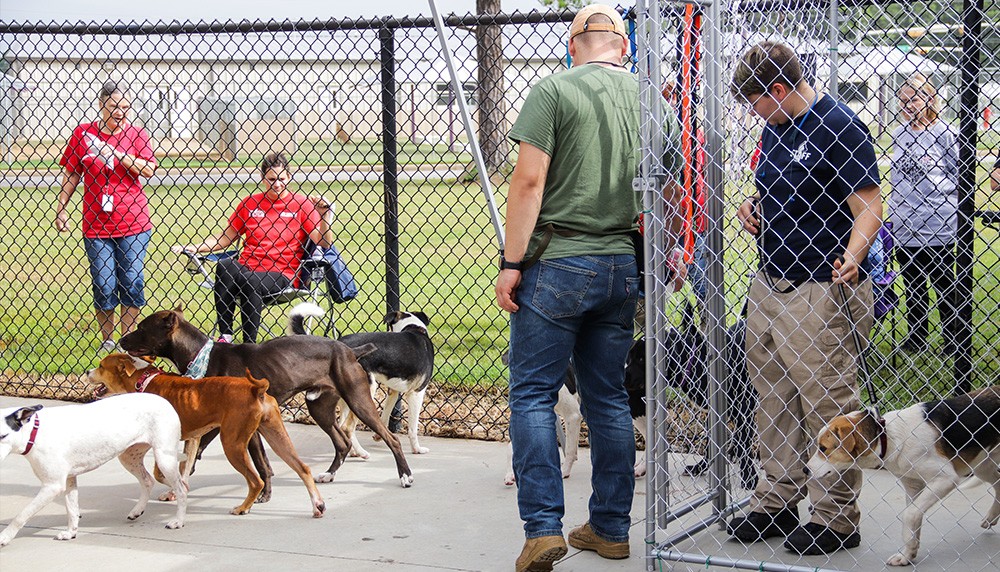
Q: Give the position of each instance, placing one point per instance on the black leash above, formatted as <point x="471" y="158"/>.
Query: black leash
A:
<point x="869" y="384"/>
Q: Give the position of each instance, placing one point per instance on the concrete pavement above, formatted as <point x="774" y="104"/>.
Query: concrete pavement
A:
<point x="457" y="516"/>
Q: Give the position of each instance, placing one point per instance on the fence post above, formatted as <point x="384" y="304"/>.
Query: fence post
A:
<point x="390" y="191"/>
<point x="972" y="18"/>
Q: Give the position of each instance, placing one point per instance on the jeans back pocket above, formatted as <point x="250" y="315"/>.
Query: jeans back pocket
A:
<point x="561" y="288"/>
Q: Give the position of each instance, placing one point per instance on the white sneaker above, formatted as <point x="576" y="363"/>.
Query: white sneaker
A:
<point x="108" y="347"/>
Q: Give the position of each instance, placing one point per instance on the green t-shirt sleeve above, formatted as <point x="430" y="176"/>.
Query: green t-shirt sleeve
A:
<point x="536" y="122"/>
<point x="672" y="159"/>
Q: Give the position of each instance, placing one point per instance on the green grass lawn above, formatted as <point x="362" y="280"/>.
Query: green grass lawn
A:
<point x="447" y="268"/>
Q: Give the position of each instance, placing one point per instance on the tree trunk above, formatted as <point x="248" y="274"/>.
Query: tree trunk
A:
<point x="492" y="106"/>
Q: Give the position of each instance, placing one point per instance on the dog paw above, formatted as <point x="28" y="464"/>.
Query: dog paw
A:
<point x="239" y="511"/>
<point x="265" y="496"/>
<point x="360" y="454"/>
<point x="4" y="540"/>
<point x="640" y="470"/>
<point x="134" y="515"/>
<point x="318" y="509"/>
<point x="420" y="450"/>
<point x="174" y="524"/>
<point x="509" y="480"/>
<point x="168" y="496"/>
<point x="898" y="560"/>
<point x="66" y="535"/>
<point x="324" y="477"/>
<point x="406" y="481"/>
<point x="989" y="522"/>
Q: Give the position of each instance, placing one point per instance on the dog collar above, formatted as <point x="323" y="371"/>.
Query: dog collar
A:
<point x="31" y="438"/>
<point x="883" y="439"/>
<point x="199" y="365"/>
<point x="147" y="376"/>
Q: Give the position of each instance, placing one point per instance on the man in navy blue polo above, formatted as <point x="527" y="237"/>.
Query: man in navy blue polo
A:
<point x="816" y="211"/>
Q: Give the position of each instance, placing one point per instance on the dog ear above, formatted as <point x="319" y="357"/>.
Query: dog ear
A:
<point x="423" y="317"/>
<point x="171" y="319"/>
<point x="391" y="318"/>
<point x="126" y="367"/>
<point x="847" y="438"/>
<point x="179" y="308"/>
<point x="17" y="419"/>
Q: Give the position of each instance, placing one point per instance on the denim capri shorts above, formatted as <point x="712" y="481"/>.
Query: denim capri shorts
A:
<point x="116" y="270"/>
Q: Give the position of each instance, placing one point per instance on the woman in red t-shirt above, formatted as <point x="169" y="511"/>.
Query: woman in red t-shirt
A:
<point x="274" y="225"/>
<point x="110" y="156"/>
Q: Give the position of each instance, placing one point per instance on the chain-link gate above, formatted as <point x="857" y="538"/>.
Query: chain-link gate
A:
<point x="705" y="413"/>
<point x="366" y="111"/>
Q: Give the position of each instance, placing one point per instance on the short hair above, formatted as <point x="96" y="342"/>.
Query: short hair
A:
<point x="764" y="65"/>
<point x="110" y="88"/>
<point x="273" y="161"/>
<point x="924" y="86"/>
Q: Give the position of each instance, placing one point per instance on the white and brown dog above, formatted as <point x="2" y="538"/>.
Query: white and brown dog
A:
<point x="930" y="447"/>
<point x="61" y="443"/>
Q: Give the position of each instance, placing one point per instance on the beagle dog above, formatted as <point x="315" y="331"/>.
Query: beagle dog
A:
<point x="930" y="447"/>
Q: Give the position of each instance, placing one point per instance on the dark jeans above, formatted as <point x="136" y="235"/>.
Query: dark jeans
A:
<point x="580" y="307"/>
<point x="936" y="265"/>
<point x="233" y="282"/>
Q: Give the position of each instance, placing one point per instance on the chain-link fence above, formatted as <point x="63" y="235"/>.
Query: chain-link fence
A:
<point x="367" y="114"/>
<point x="731" y="432"/>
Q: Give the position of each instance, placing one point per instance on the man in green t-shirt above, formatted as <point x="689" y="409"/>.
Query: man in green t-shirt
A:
<point x="569" y="280"/>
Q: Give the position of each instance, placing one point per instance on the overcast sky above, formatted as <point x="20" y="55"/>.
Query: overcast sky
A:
<point x="133" y="10"/>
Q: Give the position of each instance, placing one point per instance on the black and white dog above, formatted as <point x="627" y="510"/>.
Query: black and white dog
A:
<point x="686" y="369"/>
<point x="403" y="364"/>
<point x="568" y="409"/>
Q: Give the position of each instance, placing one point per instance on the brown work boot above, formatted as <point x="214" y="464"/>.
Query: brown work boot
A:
<point x="584" y="538"/>
<point x="539" y="553"/>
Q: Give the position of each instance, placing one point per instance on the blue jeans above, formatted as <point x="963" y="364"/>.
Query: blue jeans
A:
<point x="116" y="270"/>
<point x="580" y="308"/>
<point x="698" y="269"/>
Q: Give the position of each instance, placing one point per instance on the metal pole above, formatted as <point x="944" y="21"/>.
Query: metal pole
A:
<point x="718" y="368"/>
<point x="833" y="88"/>
<point x="972" y="19"/>
<point x="390" y="192"/>
<point x="463" y="107"/>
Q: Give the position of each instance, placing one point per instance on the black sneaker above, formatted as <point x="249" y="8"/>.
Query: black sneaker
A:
<point x="758" y="526"/>
<point x="815" y="539"/>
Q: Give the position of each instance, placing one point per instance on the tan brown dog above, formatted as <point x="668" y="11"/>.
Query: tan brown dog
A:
<point x="931" y="447"/>
<point x="238" y="406"/>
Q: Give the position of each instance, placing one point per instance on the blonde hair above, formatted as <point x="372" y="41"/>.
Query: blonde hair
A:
<point x="922" y="85"/>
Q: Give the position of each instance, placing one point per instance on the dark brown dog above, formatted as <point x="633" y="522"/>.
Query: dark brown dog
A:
<point x="237" y="406"/>
<point x="326" y="370"/>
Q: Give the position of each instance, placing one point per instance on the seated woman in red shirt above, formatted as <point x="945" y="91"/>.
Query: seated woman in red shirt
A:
<point x="274" y="226"/>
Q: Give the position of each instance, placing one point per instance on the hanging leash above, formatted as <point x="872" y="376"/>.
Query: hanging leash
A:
<point x="863" y="362"/>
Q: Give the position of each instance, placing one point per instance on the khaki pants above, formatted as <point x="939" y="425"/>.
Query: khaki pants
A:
<point x="803" y="363"/>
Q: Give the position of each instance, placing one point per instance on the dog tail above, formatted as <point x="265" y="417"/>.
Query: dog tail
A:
<point x="363" y="350"/>
<point x="259" y="385"/>
<point x="298" y="315"/>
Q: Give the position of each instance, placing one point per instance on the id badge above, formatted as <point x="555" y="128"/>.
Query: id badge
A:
<point x="107" y="203"/>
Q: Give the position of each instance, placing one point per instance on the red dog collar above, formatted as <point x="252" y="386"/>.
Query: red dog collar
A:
<point x="147" y="376"/>
<point x="31" y="438"/>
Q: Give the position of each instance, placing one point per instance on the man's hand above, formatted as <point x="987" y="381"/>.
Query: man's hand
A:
<point x="748" y="216"/>
<point x="845" y="269"/>
<point x="506" y="289"/>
